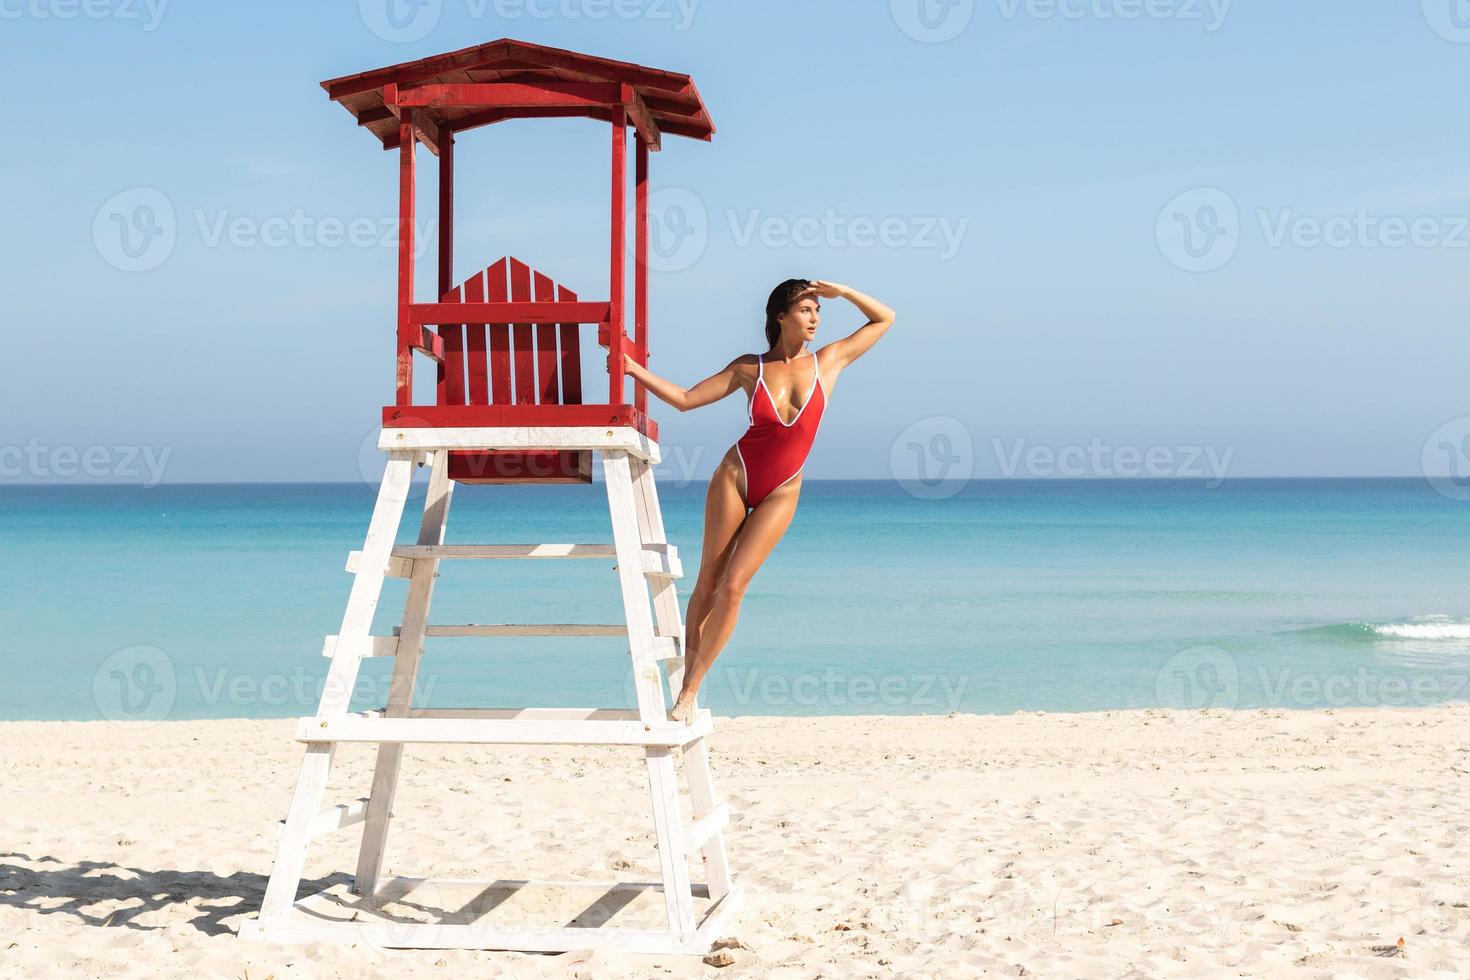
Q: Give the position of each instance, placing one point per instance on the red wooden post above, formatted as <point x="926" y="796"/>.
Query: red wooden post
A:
<point x="446" y="263"/>
<point x="616" y="333"/>
<point x="405" y="251"/>
<point x="640" y="267"/>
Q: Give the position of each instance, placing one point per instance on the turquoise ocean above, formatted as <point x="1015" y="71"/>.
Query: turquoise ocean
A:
<point x="212" y="600"/>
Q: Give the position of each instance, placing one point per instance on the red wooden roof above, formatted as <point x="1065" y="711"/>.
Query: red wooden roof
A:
<point x="671" y="97"/>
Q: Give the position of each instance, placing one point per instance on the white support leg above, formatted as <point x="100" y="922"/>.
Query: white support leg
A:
<point x="696" y="756"/>
<point x="624" y="506"/>
<point x="367" y="587"/>
<point x="405" y="674"/>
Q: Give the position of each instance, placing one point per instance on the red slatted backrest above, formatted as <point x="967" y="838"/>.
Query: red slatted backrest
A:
<point x="504" y="364"/>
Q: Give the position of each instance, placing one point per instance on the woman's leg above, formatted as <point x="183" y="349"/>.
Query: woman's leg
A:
<point x="724" y="514"/>
<point x="762" y="528"/>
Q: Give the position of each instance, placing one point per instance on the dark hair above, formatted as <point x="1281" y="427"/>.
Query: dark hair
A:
<point x="781" y="299"/>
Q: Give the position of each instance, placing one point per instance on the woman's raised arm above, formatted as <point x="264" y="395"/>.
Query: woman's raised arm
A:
<point x="711" y="389"/>
<point x="880" y="318"/>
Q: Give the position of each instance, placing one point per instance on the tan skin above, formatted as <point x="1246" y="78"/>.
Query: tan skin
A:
<point x="736" y="541"/>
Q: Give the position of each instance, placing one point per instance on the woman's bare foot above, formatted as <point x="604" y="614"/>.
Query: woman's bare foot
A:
<point x="683" y="710"/>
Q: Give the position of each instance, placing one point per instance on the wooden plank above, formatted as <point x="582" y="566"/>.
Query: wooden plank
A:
<point x="495" y="731"/>
<point x="640" y="116"/>
<point x="506" y="551"/>
<point x="397" y="567"/>
<point x="496" y="281"/>
<point x="375" y="646"/>
<point x="707" y="826"/>
<point x="522" y="341"/>
<point x="670" y="623"/>
<point x="640" y="268"/>
<point x="623" y="507"/>
<point x="404" y="383"/>
<point x="615" y="287"/>
<point x="571" y="353"/>
<point x="418" y="337"/>
<point x="506" y="428"/>
<point x="499" y="94"/>
<point x="409" y="651"/>
<point x="662" y="560"/>
<point x="477" y="387"/>
<point x="528" y="629"/>
<point x="453" y="390"/>
<point x="450" y="375"/>
<point x="477" y="936"/>
<point x="333" y="818"/>
<point x="548" y="386"/>
<point x="362" y="601"/>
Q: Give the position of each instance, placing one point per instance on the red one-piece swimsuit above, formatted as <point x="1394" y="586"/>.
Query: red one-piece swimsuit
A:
<point x="772" y="452"/>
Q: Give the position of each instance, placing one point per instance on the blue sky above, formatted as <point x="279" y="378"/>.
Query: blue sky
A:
<point x="1180" y="226"/>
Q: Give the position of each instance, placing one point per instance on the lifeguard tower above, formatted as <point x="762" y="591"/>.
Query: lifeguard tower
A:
<point x="509" y="408"/>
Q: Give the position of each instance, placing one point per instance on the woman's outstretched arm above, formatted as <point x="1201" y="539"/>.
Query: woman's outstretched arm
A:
<point x="711" y="389"/>
<point x="880" y="318"/>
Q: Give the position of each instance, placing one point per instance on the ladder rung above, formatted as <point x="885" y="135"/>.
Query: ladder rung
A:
<point x="379" y="646"/>
<point x="397" y="567"/>
<point x="525" y="629"/>
<point x="518" y="731"/>
<point x="662" y="560"/>
<point x="451" y="551"/>
<point x="333" y="818"/>
<point x="707" y="826"/>
<point x="664" y="648"/>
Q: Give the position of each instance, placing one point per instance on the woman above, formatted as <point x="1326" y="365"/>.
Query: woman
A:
<point x="752" y="494"/>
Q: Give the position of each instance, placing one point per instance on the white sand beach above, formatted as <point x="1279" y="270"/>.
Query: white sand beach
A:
<point x="1139" y="843"/>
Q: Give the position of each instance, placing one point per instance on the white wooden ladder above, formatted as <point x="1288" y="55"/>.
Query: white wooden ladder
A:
<point x="647" y="566"/>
